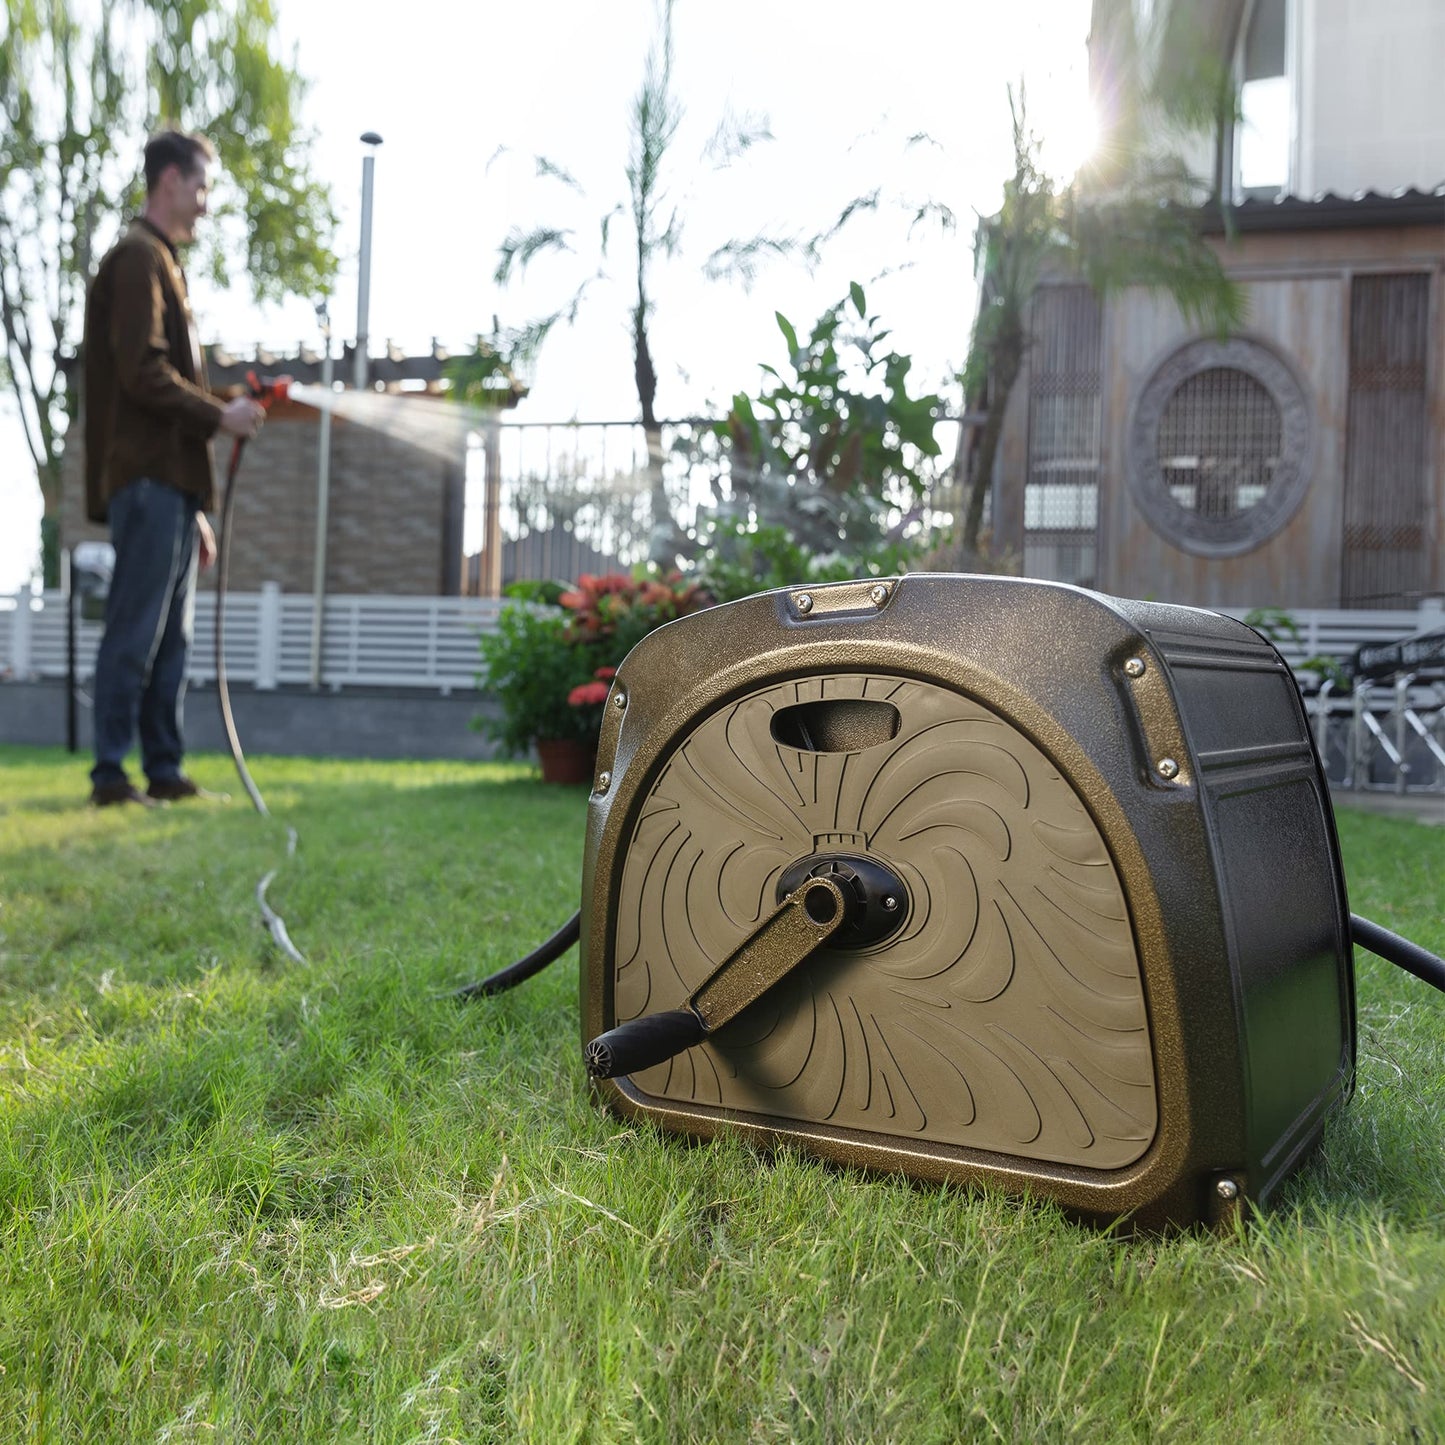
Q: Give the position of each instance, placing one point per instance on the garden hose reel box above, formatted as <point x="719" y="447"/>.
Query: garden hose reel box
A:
<point x="1098" y="946"/>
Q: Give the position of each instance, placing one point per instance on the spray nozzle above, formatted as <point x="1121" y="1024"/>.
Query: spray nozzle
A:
<point x="268" y="390"/>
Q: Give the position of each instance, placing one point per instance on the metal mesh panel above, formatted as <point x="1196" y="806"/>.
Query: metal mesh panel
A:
<point x="1219" y="442"/>
<point x="1061" y="491"/>
<point x="573" y="498"/>
<point x="1384" y="561"/>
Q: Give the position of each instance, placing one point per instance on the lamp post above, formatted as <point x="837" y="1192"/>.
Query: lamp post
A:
<point x="371" y="140"/>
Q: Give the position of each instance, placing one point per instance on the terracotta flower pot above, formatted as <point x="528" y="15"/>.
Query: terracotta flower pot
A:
<point x="565" y="760"/>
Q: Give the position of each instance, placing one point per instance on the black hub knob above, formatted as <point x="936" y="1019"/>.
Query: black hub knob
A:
<point x="874" y="895"/>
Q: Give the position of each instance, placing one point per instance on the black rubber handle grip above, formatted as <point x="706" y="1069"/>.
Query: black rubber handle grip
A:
<point x="641" y="1043"/>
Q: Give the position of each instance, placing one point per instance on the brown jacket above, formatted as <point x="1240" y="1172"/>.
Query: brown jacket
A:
<point x="147" y="410"/>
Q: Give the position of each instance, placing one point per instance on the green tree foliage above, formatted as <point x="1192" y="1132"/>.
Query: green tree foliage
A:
<point x="1279" y="626"/>
<point x="81" y="85"/>
<point x="823" y="473"/>
<point x="1131" y="218"/>
<point x="530" y="666"/>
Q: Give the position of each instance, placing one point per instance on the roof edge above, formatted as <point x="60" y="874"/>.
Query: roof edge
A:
<point x="1328" y="212"/>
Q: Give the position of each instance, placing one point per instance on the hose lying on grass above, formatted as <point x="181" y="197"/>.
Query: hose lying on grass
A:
<point x="275" y="924"/>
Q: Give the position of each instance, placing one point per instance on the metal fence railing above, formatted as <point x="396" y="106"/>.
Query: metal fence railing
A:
<point x="556" y="499"/>
<point x="1383" y="738"/>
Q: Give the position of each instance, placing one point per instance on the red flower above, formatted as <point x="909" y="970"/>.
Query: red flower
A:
<point x="585" y="694"/>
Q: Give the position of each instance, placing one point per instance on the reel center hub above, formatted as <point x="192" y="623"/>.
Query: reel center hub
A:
<point x="875" y="898"/>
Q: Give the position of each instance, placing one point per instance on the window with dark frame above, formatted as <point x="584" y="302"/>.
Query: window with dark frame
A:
<point x="1061" y="490"/>
<point x="1219" y="443"/>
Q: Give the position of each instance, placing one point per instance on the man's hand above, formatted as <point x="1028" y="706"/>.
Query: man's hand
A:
<point x="242" y="417"/>
<point x="207" y="540"/>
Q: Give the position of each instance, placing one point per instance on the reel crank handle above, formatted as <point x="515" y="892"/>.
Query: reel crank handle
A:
<point x="810" y="915"/>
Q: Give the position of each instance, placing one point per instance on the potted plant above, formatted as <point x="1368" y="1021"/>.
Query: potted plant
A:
<point x="531" y="664"/>
<point x="550" y="670"/>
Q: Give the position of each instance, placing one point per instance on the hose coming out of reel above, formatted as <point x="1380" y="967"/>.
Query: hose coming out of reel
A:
<point x="653" y="1038"/>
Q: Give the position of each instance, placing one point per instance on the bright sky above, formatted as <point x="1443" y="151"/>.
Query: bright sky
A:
<point x="844" y="85"/>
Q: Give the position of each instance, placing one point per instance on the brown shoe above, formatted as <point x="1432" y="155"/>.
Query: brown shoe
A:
<point x="173" y="790"/>
<point x="103" y="795"/>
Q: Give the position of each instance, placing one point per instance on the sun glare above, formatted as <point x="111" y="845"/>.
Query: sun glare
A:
<point x="1062" y="115"/>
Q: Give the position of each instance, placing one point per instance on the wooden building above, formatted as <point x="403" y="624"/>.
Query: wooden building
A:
<point x="1300" y="462"/>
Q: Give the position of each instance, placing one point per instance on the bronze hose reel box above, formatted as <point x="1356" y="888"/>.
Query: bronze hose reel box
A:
<point x="1078" y="924"/>
<point x="976" y="879"/>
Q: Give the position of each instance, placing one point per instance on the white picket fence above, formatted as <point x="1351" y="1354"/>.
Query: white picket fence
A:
<point x="413" y="642"/>
<point x="431" y="642"/>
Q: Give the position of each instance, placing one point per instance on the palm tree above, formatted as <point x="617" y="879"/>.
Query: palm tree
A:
<point x="655" y="226"/>
<point x="1130" y="218"/>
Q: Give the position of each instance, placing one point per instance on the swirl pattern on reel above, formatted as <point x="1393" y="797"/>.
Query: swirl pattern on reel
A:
<point x="1006" y="1014"/>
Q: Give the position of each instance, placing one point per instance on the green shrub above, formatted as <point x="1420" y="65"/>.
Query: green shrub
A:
<point x="543" y="664"/>
<point x="530" y="665"/>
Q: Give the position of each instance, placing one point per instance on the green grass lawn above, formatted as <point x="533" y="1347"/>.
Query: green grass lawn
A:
<point x="247" y="1200"/>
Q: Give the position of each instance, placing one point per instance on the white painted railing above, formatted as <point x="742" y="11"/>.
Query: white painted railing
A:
<point x="422" y="642"/>
<point x="431" y="642"/>
<point x="1326" y="633"/>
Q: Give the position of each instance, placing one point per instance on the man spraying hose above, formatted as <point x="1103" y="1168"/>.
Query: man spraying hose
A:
<point x="150" y="473"/>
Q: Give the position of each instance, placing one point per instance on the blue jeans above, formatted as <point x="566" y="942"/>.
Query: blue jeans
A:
<point x="140" y="671"/>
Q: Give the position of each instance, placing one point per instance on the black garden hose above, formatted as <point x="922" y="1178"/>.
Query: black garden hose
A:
<point x="1399" y="951"/>
<point x="524" y="968"/>
<point x="1364" y="932"/>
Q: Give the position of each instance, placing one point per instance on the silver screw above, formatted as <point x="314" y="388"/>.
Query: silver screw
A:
<point x="879" y="594"/>
<point x="889" y="903"/>
<point x="1227" y="1189"/>
<point x="619" y="701"/>
<point x="604" y="781"/>
<point x="1134" y="667"/>
<point x="804" y="602"/>
<point x="1167" y="768"/>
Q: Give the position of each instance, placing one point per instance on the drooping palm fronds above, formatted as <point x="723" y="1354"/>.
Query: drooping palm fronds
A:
<point x="521" y="247"/>
<point x="741" y="260"/>
<point x="735" y="136"/>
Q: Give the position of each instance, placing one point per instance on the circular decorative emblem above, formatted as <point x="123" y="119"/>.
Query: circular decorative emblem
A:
<point x="1221" y="446"/>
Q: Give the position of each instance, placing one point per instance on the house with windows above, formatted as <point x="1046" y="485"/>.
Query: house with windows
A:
<point x="1301" y="461"/>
